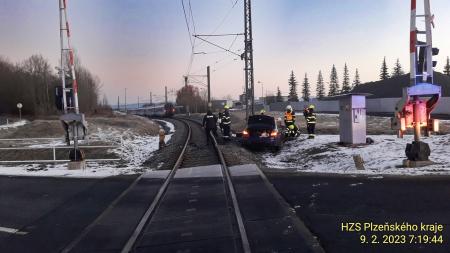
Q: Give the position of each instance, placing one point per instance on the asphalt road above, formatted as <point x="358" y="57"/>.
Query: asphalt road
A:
<point x="54" y="210"/>
<point x="324" y="202"/>
<point x="51" y="211"/>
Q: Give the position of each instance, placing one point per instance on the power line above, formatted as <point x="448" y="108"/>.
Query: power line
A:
<point x="192" y="16"/>
<point x="192" y="41"/>
<point x="219" y="35"/>
<point x="187" y="23"/>
<point x="229" y="51"/>
<point x="226" y="16"/>
<point x="195" y="36"/>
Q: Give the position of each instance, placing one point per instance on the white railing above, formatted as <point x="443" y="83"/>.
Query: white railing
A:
<point x="54" y="148"/>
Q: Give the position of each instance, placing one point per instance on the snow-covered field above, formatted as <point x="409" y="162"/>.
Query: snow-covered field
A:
<point x="13" y="125"/>
<point x="133" y="150"/>
<point x="385" y="156"/>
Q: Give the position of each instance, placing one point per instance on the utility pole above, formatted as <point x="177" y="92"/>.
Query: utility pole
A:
<point x="248" y="57"/>
<point x="138" y="102"/>
<point x="208" y="74"/>
<point x="125" y="100"/>
<point x="151" y="98"/>
<point x="262" y="93"/>
<point x="165" y="94"/>
<point x="185" y="81"/>
<point x="118" y="103"/>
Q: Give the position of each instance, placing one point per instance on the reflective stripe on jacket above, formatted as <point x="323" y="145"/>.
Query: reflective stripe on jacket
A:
<point x="226" y="120"/>
<point x="311" y="118"/>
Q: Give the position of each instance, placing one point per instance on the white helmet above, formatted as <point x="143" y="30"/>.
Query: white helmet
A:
<point x="289" y="107"/>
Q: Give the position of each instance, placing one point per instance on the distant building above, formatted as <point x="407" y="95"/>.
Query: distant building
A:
<point x="242" y="98"/>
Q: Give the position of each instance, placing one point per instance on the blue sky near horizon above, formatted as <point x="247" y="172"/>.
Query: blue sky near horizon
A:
<point x="144" y="44"/>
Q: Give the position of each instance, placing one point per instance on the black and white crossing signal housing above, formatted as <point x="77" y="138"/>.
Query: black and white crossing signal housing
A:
<point x="434" y="52"/>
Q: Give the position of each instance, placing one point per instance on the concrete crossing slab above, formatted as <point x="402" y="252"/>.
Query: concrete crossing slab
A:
<point x="193" y="213"/>
<point x="270" y="227"/>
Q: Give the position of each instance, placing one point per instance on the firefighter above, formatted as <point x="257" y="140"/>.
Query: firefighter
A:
<point x="289" y="121"/>
<point x="219" y="120"/>
<point x="210" y="125"/>
<point x="162" y="137"/>
<point x="226" y="122"/>
<point x="310" y="118"/>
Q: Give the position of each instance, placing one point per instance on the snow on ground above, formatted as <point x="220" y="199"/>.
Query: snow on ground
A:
<point x="133" y="150"/>
<point x="385" y="156"/>
<point x="93" y="170"/>
<point x="15" y="124"/>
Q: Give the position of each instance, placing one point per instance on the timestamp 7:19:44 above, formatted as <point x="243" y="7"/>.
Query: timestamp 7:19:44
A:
<point x="402" y="239"/>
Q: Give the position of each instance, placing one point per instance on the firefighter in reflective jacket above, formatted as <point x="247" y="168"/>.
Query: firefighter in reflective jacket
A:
<point x="226" y="122"/>
<point x="310" y="118"/>
<point x="289" y="121"/>
<point x="210" y="125"/>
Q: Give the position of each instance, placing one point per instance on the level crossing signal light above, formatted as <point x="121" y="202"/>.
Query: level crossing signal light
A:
<point x="414" y="109"/>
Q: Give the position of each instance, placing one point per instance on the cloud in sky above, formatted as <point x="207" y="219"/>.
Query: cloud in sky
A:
<point x="144" y="45"/>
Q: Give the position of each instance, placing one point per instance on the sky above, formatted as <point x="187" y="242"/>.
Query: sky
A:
<point x="144" y="45"/>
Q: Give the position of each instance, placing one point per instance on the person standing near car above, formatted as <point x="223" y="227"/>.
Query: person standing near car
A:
<point x="219" y="120"/>
<point x="311" y="119"/>
<point x="210" y="125"/>
<point x="289" y="121"/>
<point x="226" y="122"/>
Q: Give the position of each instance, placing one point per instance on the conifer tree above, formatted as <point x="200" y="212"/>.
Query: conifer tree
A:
<point x="293" y="96"/>
<point x="279" y="96"/>
<point x="398" y="70"/>
<point x="334" y="82"/>
<point x="447" y="67"/>
<point x="346" y="81"/>
<point x="384" y="74"/>
<point x="320" y="88"/>
<point x="306" y="91"/>
<point x="357" y="80"/>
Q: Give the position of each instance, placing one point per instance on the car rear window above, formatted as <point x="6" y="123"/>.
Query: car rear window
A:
<point x="261" y="120"/>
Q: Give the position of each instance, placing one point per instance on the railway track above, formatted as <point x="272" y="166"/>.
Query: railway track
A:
<point x="194" y="154"/>
<point x="199" y="205"/>
<point x="201" y="199"/>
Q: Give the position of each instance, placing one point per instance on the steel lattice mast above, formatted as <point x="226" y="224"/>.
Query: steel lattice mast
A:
<point x="248" y="57"/>
<point x="66" y="50"/>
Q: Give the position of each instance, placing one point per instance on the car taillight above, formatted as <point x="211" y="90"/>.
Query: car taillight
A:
<point x="245" y="133"/>
<point x="274" y="134"/>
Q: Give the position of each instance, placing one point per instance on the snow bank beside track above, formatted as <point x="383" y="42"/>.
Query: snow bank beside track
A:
<point x="132" y="147"/>
<point x="384" y="157"/>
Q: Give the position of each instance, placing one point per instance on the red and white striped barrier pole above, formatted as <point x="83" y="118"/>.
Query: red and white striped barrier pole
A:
<point x="412" y="43"/>
<point x="71" y="58"/>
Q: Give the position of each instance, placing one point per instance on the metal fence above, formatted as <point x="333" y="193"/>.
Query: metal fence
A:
<point x="377" y="105"/>
<point x="53" y="148"/>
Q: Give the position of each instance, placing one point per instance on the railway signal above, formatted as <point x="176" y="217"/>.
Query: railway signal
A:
<point x="420" y="98"/>
<point x="73" y="121"/>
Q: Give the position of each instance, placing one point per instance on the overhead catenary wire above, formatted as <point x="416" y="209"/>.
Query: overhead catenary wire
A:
<point x="187" y="24"/>
<point x="191" y="27"/>
<point x="214" y="44"/>
<point x="191" y="39"/>
<point x="226" y="16"/>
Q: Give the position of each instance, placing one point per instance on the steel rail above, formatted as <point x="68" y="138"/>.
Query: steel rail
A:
<point x="237" y="211"/>
<point x="129" y="246"/>
<point x="71" y="245"/>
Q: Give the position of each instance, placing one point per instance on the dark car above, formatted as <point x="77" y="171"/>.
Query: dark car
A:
<point x="262" y="130"/>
